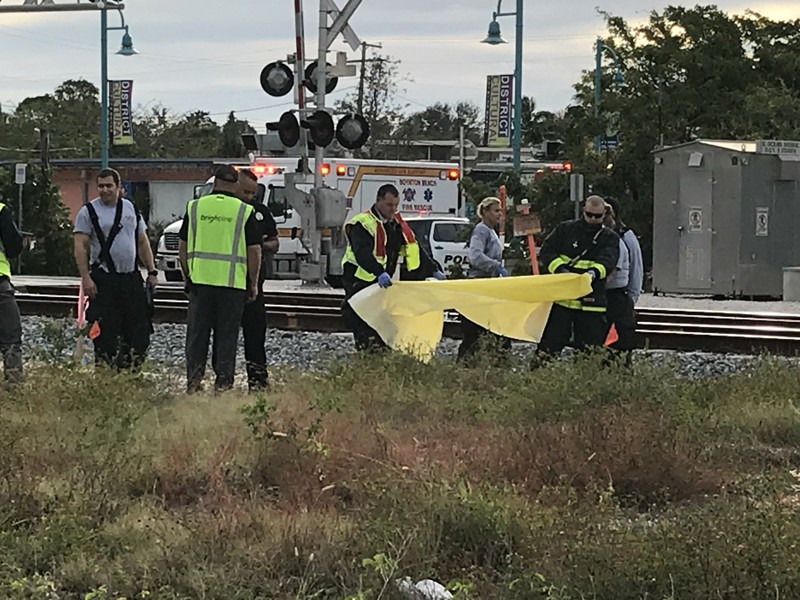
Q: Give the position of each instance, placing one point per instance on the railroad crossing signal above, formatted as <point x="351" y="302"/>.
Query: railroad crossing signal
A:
<point x="311" y="78"/>
<point x="352" y="131"/>
<point x="320" y="127"/>
<point x="277" y="79"/>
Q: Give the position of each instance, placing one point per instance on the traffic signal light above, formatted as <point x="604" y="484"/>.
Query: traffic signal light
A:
<point x="277" y="79"/>
<point x="288" y="129"/>
<point x="311" y="79"/>
<point x="320" y="127"/>
<point x="352" y="131"/>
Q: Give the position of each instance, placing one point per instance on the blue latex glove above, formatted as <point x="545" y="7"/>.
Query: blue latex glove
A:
<point x="562" y="269"/>
<point x="592" y="273"/>
<point x="501" y="271"/>
<point x="439" y="275"/>
<point x="384" y="280"/>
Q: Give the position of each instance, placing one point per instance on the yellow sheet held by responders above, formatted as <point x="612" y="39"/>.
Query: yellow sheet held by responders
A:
<point x="409" y="316"/>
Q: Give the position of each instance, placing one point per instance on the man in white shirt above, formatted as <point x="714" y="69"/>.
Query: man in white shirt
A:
<point x="109" y="235"/>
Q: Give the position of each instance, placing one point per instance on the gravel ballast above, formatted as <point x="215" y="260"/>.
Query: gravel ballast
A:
<point x="46" y="339"/>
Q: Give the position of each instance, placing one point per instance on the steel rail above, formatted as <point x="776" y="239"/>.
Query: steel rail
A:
<point x="659" y="328"/>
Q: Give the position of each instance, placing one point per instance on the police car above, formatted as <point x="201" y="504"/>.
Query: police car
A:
<point x="444" y="238"/>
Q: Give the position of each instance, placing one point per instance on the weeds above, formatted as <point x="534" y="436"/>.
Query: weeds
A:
<point x="577" y="480"/>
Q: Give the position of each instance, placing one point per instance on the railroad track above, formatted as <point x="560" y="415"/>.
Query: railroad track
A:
<point x="660" y="328"/>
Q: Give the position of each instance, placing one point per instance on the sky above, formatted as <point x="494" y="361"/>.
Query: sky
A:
<point x="207" y="55"/>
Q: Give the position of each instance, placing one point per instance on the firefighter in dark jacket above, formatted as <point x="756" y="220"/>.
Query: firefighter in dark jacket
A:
<point x="376" y="239"/>
<point x="580" y="246"/>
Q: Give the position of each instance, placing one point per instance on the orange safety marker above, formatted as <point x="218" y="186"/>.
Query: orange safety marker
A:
<point x="81" y="310"/>
<point x="612" y="336"/>
<point x="94" y="332"/>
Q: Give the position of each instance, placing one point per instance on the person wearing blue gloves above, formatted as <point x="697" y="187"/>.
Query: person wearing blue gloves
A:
<point x="485" y="260"/>
<point x="376" y="239"/>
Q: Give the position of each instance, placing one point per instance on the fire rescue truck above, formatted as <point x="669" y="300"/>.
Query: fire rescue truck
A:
<point x="428" y="199"/>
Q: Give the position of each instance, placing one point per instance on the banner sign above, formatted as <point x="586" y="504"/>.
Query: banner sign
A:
<point x="120" y="112"/>
<point x="499" y="92"/>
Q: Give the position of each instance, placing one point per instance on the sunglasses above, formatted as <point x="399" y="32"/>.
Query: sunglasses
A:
<point x="592" y="215"/>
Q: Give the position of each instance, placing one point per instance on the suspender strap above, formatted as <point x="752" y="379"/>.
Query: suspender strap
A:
<point x="105" y="244"/>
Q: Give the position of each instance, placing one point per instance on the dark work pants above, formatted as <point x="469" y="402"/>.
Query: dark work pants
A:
<point x="474" y="337"/>
<point x="254" y="331"/>
<point x="10" y="332"/>
<point x="589" y="329"/>
<point x="120" y="309"/>
<point x="364" y="336"/>
<point x="621" y="313"/>
<point x="217" y="309"/>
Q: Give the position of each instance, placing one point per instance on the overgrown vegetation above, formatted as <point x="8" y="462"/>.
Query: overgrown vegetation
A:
<point x="572" y="481"/>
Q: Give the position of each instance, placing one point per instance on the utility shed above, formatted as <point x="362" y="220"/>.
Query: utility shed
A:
<point x="726" y="217"/>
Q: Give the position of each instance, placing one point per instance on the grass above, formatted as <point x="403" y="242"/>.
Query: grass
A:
<point x="575" y="481"/>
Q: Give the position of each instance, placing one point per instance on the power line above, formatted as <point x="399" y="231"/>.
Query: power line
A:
<point x="282" y="104"/>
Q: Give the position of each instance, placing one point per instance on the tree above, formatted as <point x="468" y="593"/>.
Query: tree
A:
<point x="71" y="114"/>
<point x="442" y="121"/>
<point x="538" y="126"/>
<point x="231" y="142"/>
<point x="689" y="73"/>
<point x="382" y="86"/>
<point x="46" y="217"/>
<point x="161" y="134"/>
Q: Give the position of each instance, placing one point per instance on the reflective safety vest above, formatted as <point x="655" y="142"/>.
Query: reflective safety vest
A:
<point x="216" y="244"/>
<point x="578" y="266"/>
<point x="368" y="220"/>
<point x="5" y="266"/>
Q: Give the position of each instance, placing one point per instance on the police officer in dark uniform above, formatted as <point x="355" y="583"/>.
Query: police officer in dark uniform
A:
<point x="254" y="318"/>
<point x="581" y="246"/>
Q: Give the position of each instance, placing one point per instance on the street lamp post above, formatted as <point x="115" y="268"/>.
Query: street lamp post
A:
<point x="494" y="38"/>
<point x="125" y="50"/>
<point x="598" y="78"/>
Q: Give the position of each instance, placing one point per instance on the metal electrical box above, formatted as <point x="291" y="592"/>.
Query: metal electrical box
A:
<point x="726" y="217"/>
<point x="331" y="207"/>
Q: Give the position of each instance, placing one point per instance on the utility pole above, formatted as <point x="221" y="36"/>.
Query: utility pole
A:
<point x="44" y="148"/>
<point x="364" y="46"/>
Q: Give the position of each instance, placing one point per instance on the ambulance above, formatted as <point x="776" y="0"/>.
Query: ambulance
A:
<point x="428" y="197"/>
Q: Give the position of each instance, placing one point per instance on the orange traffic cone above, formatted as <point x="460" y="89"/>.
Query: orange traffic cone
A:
<point x="94" y="332"/>
<point x="612" y="336"/>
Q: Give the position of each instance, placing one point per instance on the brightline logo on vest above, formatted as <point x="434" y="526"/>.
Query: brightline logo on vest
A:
<point x="216" y="218"/>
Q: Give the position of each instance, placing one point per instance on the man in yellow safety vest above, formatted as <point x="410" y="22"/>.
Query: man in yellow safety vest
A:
<point x="376" y="239"/>
<point x="10" y="322"/>
<point x="220" y="254"/>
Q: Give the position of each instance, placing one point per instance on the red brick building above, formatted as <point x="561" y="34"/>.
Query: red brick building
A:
<point x="160" y="187"/>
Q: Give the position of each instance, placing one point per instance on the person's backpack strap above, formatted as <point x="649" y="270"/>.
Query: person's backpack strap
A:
<point x="105" y="244"/>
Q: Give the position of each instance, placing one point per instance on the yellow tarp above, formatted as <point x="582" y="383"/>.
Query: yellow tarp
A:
<point x="409" y="316"/>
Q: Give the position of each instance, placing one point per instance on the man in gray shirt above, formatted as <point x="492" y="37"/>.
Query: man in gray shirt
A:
<point x="624" y="286"/>
<point x="109" y="234"/>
